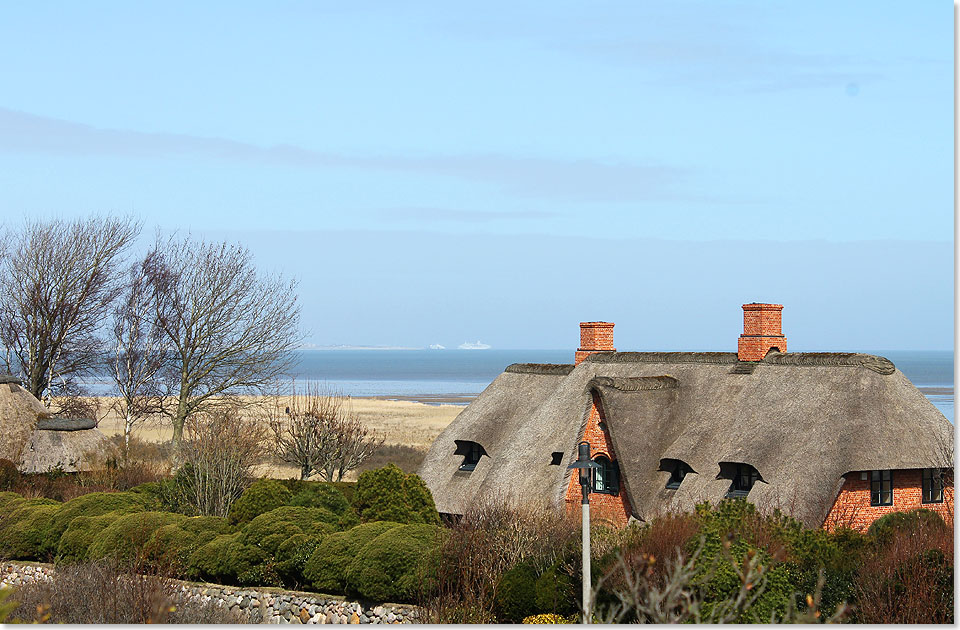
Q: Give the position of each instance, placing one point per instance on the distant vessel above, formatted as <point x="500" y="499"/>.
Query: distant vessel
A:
<point x="436" y="346"/>
<point x="474" y="346"/>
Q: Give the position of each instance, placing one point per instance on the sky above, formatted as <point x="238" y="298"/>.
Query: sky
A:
<point x="435" y="173"/>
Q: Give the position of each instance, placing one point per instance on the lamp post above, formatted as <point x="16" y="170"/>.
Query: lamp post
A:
<point x="583" y="465"/>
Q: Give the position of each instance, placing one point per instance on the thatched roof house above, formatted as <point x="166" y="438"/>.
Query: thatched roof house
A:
<point x="792" y="430"/>
<point x="41" y="442"/>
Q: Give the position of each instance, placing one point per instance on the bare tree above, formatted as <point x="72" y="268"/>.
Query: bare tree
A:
<point x="219" y="451"/>
<point x="303" y="432"/>
<point x="230" y="329"/>
<point x="57" y="283"/>
<point x="319" y="433"/>
<point x="354" y="444"/>
<point x="140" y="349"/>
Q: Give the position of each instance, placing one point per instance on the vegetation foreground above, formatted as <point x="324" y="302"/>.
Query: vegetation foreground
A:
<point x="381" y="539"/>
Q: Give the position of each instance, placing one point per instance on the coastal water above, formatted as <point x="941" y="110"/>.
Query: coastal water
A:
<point x="432" y="374"/>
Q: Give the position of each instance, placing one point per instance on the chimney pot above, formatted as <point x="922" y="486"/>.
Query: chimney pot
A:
<point x="594" y="337"/>
<point x="761" y="331"/>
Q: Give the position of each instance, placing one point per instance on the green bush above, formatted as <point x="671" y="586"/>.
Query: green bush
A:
<point x="325" y="495"/>
<point x="226" y="560"/>
<point x="387" y="494"/>
<point x="516" y="596"/>
<point x="262" y="496"/>
<point x="126" y="538"/>
<point x="269" y="530"/>
<point x="327" y="566"/>
<point x="395" y="565"/>
<point x="92" y="504"/>
<point x="883" y="529"/>
<point x="22" y="528"/>
<point x="206" y="528"/>
<point x="9" y="499"/>
<point x="556" y="592"/>
<point x="291" y="557"/>
<point x="74" y="544"/>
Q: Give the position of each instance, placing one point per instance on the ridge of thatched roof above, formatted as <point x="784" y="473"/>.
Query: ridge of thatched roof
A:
<point x="540" y="368"/>
<point x="6" y="379"/>
<point x="801" y="419"/>
<point x="65" y="424"/>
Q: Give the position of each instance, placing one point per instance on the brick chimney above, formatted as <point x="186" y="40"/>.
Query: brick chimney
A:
<point x="761" y="331"/>
<point x="594" y="337"/>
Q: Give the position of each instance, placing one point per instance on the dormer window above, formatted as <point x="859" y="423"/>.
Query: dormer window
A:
<point x="742" y="478"/>
<point x="471" y="451"/>
<point x="678" y="470"/>
<point x="606" y="478"/>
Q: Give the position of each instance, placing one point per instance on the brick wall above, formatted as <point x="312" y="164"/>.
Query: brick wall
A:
<point x="762" y="330"/>
<point x="852" y="506"/>
<point x="603" y="507"/>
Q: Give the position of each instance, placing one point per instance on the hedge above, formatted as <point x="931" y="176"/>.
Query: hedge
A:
<point x="387" y="494"/>
<point x="93" y="504"/>
<point x="327" y="566"/>
<point x="74" y="544"/>
<point x="397" y="564"/>
<point x="268" y="531"/>
<point x="22" y="528"/>
<point x="312" y="494"/>
<point x="262" y="496"/>
<point x="126" y="538"/>
<point x="226" y="560"/>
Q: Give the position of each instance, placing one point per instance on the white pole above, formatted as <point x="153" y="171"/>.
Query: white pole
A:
<point x="586" y="562"/>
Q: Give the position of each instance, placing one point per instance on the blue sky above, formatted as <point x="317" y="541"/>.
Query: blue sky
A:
<point x="442" y="172"/>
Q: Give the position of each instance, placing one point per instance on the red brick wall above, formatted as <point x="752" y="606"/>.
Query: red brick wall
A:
<point x="852" y="506"/>
<point x="603" y="507"/>
<point x="762" y="330"/>
<point x="594" y="337"/>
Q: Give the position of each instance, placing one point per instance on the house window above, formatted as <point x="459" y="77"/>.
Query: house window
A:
<point x="471" y="451"/>
<point x="932" y="485"/>
<point x="742" y="478"/>
<point x="677" y="469"/>
<point x="881" y="487"/>
<point x="556" y="458"/>
<point x="606" y="478"/>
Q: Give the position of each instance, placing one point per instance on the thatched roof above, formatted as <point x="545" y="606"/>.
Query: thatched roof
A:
<point x="19" y="412"/>
<point x="802" y="420"/>
<point x="39" y="442"/>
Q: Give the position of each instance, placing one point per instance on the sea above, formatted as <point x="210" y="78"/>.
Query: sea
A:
<point x="457" y="376"/>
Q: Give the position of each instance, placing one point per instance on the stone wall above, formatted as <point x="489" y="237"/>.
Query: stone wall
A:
<point x="261" y="605"/>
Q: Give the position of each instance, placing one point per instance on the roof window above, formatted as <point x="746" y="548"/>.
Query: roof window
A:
<point x="742" y="478"/>
<point x="678" y="469"/>
<point x="471" y="451"/>
<point x="556" y="458"/>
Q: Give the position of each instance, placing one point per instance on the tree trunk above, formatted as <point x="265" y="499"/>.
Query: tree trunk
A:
<point x="304" y="471"/>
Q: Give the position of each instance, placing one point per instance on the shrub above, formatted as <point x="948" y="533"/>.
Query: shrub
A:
<point x="126" y="538"/>
<point x="292" y="556"/>
<point x="93" y="504"/>
<point x="9" y="499"/>
<point x="883" y="529"/>
<point x="226" y="560"/>
<point x="22" y="529"/>
<point x="387" y="494"/>
<point x="74" y="544"/>
<point x="269" y="530"/>
<point x="262" y="496"/>
<point x="321" y="495"/>
<point x="395" y="564"/>
<point x="516" y="596"/>
<point x="556" y="592"/>
<point x="9" y="475"/>
<point x="327" y="566"/>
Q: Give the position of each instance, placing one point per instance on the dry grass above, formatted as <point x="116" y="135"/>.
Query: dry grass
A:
<point x="107" y="592"/>
<point x="409" y="428"/>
